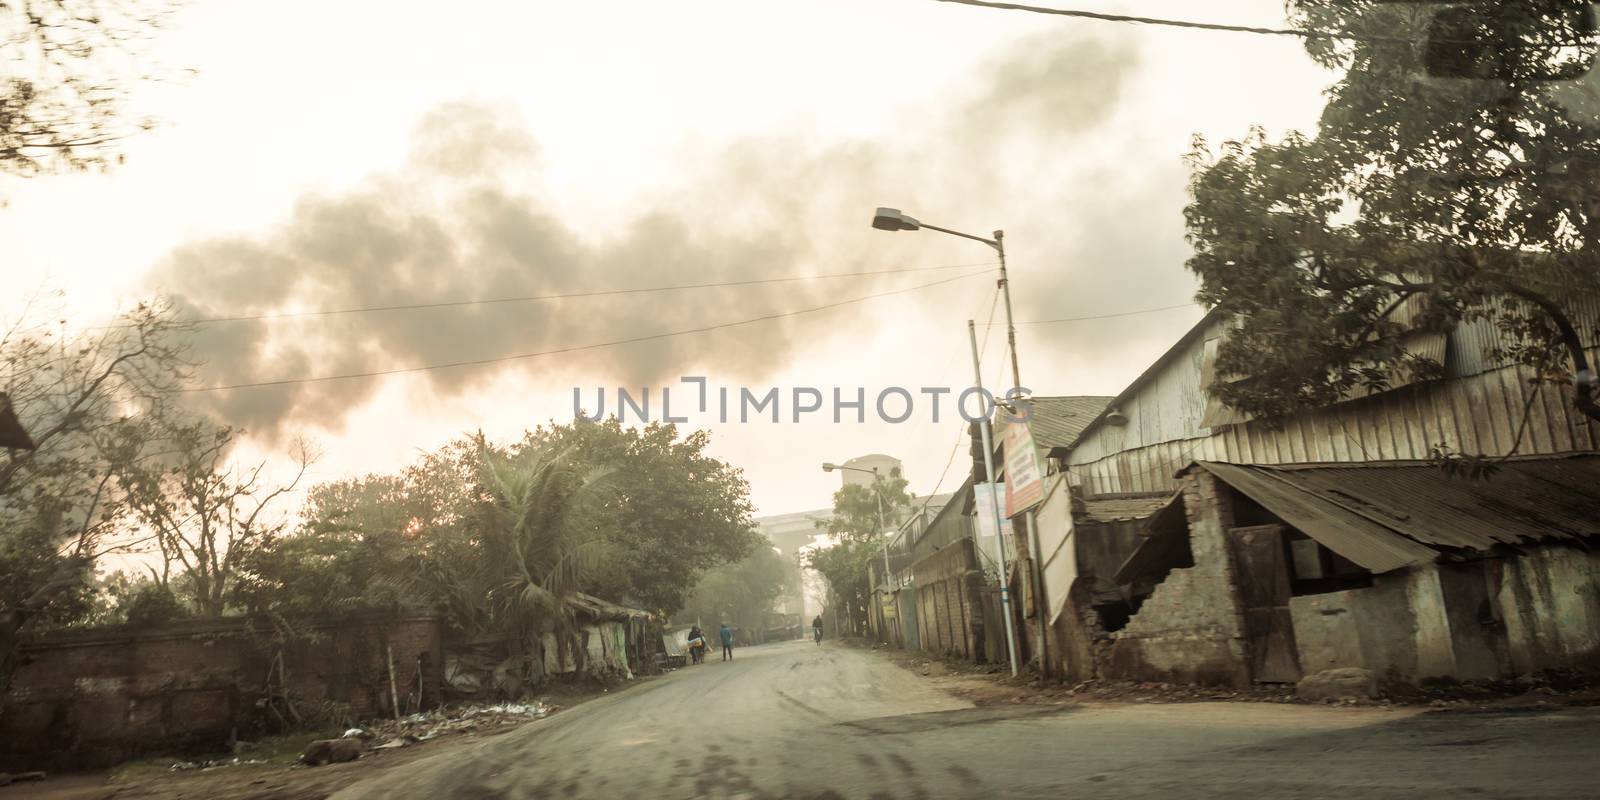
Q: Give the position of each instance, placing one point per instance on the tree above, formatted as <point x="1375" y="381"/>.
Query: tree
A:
<point x="538" y="536"/>
<point x="844" y="565"/>
<point x="352" y="552"/>
<point x="673" y="514"/>
<point x="71" y="65"/>
<point x="206" y="513"/>
<point x="1455" y="200"/>
<point x="60" y="504"/>
<point x="858" y="531"/>
<point x="741" y="594"/>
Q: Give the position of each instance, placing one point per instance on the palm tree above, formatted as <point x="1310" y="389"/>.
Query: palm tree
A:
<point x="538" y="541"/>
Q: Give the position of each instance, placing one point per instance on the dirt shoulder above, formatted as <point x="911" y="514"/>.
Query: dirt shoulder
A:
<point x="989" y="685"/>
<point x="270" y="768"/>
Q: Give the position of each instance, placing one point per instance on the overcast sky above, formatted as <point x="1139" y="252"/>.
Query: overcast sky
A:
<point x="337" y="155"/>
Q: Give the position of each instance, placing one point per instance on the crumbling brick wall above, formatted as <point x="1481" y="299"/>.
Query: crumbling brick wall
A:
<point x="949" y="611"/>
<point x="1190" y="629"/>
<point x="90" y="698"/>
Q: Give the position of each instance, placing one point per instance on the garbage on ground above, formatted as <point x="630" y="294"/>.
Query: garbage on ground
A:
<point x="418" y="728"/>
<point x="426" y="725"/>
<point x="215" y="763"/>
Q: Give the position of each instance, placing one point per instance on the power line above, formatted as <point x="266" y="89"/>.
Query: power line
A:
<point x="1134" y="312"/>
<point x="1178" y="23"/>
<point x="964" y="433"/>
<point x="582" y="347"/>
<point x="563" y="296"/>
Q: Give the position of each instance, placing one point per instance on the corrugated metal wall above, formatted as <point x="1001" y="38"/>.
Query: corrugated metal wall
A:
<point x="1471" y="341"/>
<point x="1478" y="414"/>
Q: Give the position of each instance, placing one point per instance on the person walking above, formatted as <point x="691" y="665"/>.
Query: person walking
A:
<point x="727" y="642"/>
<point x="816" y="627"/>
<point x="697" y="644"/>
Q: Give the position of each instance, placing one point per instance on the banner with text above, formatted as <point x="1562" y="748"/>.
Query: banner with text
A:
<point x="1024" y="479"/>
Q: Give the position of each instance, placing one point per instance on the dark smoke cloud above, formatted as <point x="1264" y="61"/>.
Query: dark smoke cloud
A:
<point x="447" y="226"/>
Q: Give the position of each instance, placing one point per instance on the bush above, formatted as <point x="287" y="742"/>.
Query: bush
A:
<point x="153" y="604"/>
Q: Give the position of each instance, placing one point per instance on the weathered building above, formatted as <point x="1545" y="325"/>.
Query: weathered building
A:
<point x="1271" y="573"/>
<point x="1264" y="552"/>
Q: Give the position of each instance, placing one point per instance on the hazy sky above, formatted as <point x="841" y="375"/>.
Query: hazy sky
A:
<point x="336" y="155"/>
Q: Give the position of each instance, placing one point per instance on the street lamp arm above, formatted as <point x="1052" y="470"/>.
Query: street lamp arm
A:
<point x="991" y="242"/>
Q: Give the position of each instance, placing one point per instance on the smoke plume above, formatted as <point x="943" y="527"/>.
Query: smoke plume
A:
<point x="450" y="225"/>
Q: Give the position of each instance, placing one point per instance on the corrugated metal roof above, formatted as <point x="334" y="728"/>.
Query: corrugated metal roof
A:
<point x="1057" y="421"/>
<point x="604" y="609"/>
<point x="1385" y="515"/>
<point x="1120" y="509"/>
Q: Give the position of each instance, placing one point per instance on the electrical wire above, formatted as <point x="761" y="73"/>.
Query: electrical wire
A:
<point x="563" y="296"/>
<point x="964" y="433"/>
<point x="1134" y="312"/>
<point x="579" y="348"/>
<point x="1178" y="23"/>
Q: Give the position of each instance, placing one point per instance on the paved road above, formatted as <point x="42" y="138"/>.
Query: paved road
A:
<point x="800" y="721"/>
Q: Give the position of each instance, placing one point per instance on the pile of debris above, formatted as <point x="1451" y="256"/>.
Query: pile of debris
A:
<point x="425" y="725"/>
<point x="420" y="727"/>
<point x="213" y="763"/>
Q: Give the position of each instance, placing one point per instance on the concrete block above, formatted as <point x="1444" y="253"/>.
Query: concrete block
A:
<point x="1344" y="683"/>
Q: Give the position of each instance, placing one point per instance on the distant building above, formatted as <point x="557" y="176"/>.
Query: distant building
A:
<point x="887" y="467"/>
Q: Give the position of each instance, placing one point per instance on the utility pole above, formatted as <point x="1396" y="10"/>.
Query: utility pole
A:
<point x="883" y="619"/>
<point x="893" y="219"/>
<point x="988" y="466"/>
<point x="1037" y="576"/>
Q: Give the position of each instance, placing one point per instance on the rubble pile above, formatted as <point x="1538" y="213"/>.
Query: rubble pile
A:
<point x="420" y="727"/>
<point x="214" y="763"/>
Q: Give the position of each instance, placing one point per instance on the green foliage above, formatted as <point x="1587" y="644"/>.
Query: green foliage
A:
<point x="348" y="555"/>
<point x="743" y="593"/>
<point x="68" y="64"/>
<point x="498" y="537"/>
<point x="1477" y="199"/>
<point x="844" y="566"/>
<point x="61" y="503"/>
<point x="207" y="513"/>
<point x="858" y="529"/>
<point x="151" y="604"/>
<point x="856" y="509"/>
<point x="674" y="512"/>
<point x="538" y="529"/>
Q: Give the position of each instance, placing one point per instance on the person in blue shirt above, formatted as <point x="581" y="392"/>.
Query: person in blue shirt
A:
<point x="727" y="642"/>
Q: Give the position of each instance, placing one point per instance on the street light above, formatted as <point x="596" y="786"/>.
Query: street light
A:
<point x="877" y="494"/>
<point x="893" y="219"/>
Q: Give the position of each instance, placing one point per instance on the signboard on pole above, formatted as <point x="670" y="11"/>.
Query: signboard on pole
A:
<point x="986" y="499"/>
<point x="1024" y="479"/>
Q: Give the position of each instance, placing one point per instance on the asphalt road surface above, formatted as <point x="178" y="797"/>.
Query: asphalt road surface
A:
<point x="796" y="720"/>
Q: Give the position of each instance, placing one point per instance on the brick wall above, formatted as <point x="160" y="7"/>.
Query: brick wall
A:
<point x="1190" y="629"/>
<point x="949" y="610"/>
<point x="91" y="698"/>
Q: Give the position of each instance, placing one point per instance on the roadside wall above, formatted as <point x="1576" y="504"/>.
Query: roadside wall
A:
<point x="1396" y="627"/>
<point x="1190" y="629"/>
<point x="949" y="613"/>
<point x="84" y="699"/>
<point x="1550" y="599"/>
<point x="1491" y="618"/>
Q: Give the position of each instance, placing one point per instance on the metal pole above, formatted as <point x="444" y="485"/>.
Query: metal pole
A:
<point x="1011" y="329"/>
<point x="883" y="616"/>
<point x="1037" y="576"/>
<point x="988" y="466"/>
